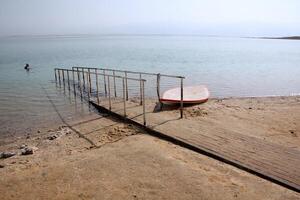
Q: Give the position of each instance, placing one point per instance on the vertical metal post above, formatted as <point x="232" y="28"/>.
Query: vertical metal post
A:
<point x="58" y="70"/>
<point x="68" y="76"/>
<point x="97" y="86"/>
<point x="63" y="75"/>
<point x="78" y="76"/>
<point x="141" y="90"/>
<point x="109" y="92"/>
<point x="55" y="75"/>
<point x="79" y="81"/>
<point x="181" y="97"/>
<point x="158" y="86"/>
<point x="90" y="81"/>
<point x="105" y="89"/>
<point x="115" y="88"/>
<point x="126" y="86"/>
<point x="124" y="96"/>
<point x="73" y="78"/>
<point x="88" y="89"/>
<point x="143" y="96"/>
<point x="83" y="79"/>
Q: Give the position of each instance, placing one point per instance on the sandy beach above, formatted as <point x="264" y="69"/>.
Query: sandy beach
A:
<point x="98" y="157"/>
<point x="150" y="100"/>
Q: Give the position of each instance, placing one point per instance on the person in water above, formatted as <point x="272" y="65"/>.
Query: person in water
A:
<point x="26" y="67"/>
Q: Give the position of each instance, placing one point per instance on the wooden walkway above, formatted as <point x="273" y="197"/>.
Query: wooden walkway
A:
<point x="271" y="161"/>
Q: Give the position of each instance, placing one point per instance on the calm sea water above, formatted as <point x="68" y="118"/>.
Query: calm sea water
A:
<point x="228" y="66"/>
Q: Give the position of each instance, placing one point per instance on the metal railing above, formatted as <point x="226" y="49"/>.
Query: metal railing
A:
<point x="126" y="72"/>
<point x="85" y="82"/>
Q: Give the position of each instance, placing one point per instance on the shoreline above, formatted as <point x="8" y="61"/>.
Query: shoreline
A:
<point x="100" y="157"/>
<point x="53" y="124"/>
<point x="40" y="131"/>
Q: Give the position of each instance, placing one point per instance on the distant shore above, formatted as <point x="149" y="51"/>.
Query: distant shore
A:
<point x="278" y="38"/>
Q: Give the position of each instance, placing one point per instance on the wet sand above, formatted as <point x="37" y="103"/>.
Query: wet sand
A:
<point x="98" y="157"/>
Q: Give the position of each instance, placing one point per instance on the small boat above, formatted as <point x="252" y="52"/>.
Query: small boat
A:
<point x="191" y="95"/>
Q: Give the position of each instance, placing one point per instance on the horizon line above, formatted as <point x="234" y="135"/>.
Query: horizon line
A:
<point x="138" y="34"/>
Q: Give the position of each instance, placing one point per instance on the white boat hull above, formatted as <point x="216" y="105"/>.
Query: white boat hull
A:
<point x="191" y="95"/>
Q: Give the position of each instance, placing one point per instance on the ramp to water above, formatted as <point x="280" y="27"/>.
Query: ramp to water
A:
<point x="273" y="162"/>
<point x="270" y="161"/>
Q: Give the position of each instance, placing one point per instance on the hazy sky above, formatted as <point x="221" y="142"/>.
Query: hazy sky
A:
<point x="205" y="17"/>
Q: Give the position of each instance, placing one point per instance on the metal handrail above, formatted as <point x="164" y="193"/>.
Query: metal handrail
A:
<point x="158" y="76"/>
<point x="131" y="72"/>
<point x="110" y="75"/>
<point x="88" y="79"/>
<point x="124" y="78"/>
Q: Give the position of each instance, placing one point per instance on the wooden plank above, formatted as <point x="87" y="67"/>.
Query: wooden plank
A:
<point x="255" y="161"/>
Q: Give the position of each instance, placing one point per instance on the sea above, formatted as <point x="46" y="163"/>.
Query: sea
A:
<point x="228" y="66"/>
